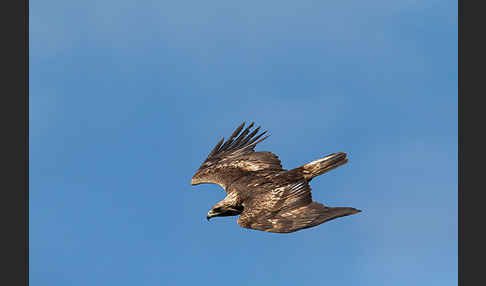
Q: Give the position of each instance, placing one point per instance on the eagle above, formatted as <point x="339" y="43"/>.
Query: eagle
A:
<point x="264" y="195"/>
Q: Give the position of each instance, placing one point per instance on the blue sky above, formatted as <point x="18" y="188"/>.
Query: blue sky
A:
<point x="127" y="98"/>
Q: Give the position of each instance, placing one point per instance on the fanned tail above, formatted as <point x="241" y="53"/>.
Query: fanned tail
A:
<point x="321" y="166"/>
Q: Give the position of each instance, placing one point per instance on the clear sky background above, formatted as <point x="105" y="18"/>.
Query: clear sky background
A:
<point x="128" y="97"/>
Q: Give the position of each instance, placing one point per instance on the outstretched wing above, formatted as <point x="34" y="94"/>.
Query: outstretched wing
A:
<point x="236" y="157"/>
<point x="288" y="209"/>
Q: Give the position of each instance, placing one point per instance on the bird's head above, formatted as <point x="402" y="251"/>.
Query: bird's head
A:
<point x="224" y="209"/>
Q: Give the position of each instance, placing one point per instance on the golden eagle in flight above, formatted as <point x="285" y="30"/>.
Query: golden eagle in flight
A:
<point x="266" y="196"/>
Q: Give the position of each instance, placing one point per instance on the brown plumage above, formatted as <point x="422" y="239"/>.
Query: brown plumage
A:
<point x="266" y="196"/>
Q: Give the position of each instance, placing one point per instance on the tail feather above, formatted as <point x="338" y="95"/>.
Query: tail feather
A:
<point x="323" y="165"/>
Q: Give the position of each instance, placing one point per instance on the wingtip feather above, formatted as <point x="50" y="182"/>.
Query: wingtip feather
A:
<point x="244" y="141"/>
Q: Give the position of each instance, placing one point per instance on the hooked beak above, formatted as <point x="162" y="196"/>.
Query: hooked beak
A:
<point x="211" y="214"/>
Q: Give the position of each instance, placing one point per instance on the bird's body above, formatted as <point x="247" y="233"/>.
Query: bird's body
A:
<point x="266" y="196"/>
